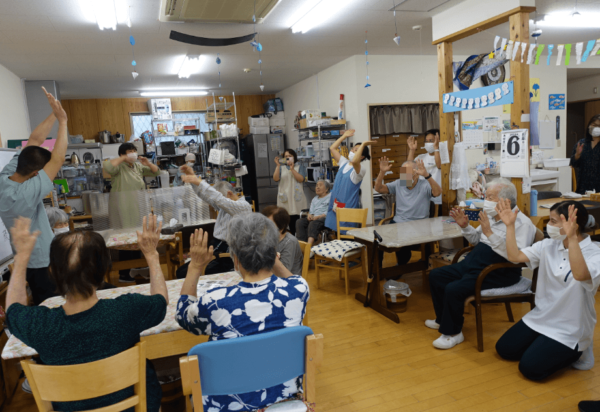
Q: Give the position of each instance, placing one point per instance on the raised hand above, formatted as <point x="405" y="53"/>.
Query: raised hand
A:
<point x="57" y="108"/>
<point x="192" y="179"/>
<point x="149" y="237"/>
<point x="187" y="170"/>
<point x="436" y="142"/>
<point x="349" y="133"/>
<point x="412" y="143"/>
<point x="277" y="161"/>
<point x="144" y="160"/>
<point x="570" y="225"/>
<point x="200" y="253"/>
<point x="459" y="216"/>
<point x="579" y="150"/>
<point x="506" y="213"/>
<point x="421" y="171"/>
<point x="384" y="165"/>
<point x="22" y="239"/>
<point x="484" y="221"/>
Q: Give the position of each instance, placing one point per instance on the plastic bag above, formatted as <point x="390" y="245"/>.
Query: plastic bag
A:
<point x="459" y="172"/>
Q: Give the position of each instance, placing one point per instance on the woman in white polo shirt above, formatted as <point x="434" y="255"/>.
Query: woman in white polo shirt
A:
<point x="559" y="331"/>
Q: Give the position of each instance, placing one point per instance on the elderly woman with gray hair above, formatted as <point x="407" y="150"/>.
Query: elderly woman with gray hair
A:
<point x="261" y="302"/>
<point x="308" y="228"/>
<point x="58" y="219"/>
<point x="451" y="285"/>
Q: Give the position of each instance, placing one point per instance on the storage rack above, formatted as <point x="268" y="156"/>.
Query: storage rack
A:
<point x="224" y="105"/>
<point x="319" y="139"/>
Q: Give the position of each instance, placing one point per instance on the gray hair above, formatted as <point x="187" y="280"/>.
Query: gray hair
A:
<point x="507" y="190"/>
<point x="56" y="215"/>
<point x="223" y="187"/>
<point x="253" y="240"/>
<point x="409" y="162"/>
<point x="327" y="184"/>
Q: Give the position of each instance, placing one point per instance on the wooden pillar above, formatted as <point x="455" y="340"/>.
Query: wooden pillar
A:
<point x="519" y="74"/>
<point x="445" y="76"/>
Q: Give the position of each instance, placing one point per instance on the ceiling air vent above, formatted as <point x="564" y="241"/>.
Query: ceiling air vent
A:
<point x="215" y="11"/>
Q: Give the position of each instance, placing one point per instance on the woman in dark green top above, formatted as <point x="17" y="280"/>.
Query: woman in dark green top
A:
<point x="86" y="329"/>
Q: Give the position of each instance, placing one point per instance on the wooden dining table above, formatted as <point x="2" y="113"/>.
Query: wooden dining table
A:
<point x="163" y="340"/>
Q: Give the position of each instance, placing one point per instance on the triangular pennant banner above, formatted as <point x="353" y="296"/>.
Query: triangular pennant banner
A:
<point x="560" y="49"/>
<point x="588" y="50"/>
<point x="567" y="54"/>
<point x="540" y="49"/>
<point x="550" y="47"/>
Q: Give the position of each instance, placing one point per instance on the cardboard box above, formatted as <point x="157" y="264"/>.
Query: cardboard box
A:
<point x="258" y="121"/>
<point x="311" y="114"/>
<point x="333" y="121"/>
<point x="277" y="129"/>
<point x="306" y="123"/>
<point x="260" y="130"/>
<point x="210" y="116"/>
<point x="276" y="122"/>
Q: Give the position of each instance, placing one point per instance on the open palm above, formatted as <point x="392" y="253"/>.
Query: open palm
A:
<point x="506" y="213"/>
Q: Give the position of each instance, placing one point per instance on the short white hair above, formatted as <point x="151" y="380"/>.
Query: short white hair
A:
<point x="507" y="190"/>
<point x="56" y="215"/>
<point x="190" y="156"/>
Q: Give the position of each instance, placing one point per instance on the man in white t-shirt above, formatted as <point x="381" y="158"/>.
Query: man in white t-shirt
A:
<point x="431" y="159"/>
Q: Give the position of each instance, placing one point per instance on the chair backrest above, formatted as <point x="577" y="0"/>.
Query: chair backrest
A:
<point x="90" y="380"/>
<point x="350" y="216"/>
<point x="251" y="363"/>
<point x="305" y="246"/>
<point x="539" y="236"/>
<point x="573" y="179"/>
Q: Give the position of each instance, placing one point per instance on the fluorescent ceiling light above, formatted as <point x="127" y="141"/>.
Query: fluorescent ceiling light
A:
<point x="168" y="93"/>
<point x="190" y="65"/>
<point x="106" y="13"/>
<point x="316" y="12"/>
<point x="570" y="19"/>
<point x="179" y="89"/>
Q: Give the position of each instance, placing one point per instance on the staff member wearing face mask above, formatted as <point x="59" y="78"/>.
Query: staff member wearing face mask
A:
<point x="559" y="331"/>
<point x="291" y="191"/>
<point x="451" y="285"/>
<point x="190" y="161"/>
<point x="586" y="158"/>
<point x="346" y="188"/>
<point x="412" y="198"/>
<point x="59" y="220"/>
<point x="431" y="159"/>
<point x="126" y="173"/>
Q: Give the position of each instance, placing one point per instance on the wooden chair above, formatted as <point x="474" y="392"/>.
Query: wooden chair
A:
<point x="305" y="246"/>
<point x="90" y="380"/>
<point x="359" y="256"/>
<point x="573" y="179"/>
<point x="506" y="299"/>
<point x="219" y="367"/>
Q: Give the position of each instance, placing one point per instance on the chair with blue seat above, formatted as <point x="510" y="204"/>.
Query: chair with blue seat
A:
<point x="224" y="368"/>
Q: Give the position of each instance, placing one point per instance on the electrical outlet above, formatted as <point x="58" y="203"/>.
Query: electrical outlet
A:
<point x="595" y="90"/>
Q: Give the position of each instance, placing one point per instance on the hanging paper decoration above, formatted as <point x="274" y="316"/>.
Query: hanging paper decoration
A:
<point x="219" y="62"/>
<point x="396" y="37"/>
<point x="550" y="48"/>
<point x="134" y="73"/>
<point x="367" y="57"/>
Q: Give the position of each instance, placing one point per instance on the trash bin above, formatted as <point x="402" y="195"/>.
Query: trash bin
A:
<point x="396" y="295"/>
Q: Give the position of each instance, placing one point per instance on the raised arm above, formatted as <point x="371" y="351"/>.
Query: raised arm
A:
<point x="384" y="167"/>
<point x="201" y="255"/>
<point x="577" y="150"/>
<point x="60" y="147"/>
<point x="436" y="190"/>
<point x="42" y="131"/>
<point x="299" y="178"/>
<point x="579" y="268"/>
<point x="277" y="173"/>
<point x="509" y="218"/>
<point x="334" y="148"/>
<point x="472" y="235"/>
<point x="438" y="158"/>
<point x="147" y="163"/>
<point x="148" y="241"/>
<point x="358" y="158"/>
<point x="412" y="147"/>
<point x="23" y="242"/>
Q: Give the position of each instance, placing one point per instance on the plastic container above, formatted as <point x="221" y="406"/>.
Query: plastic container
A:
<point x="534" y="202"/>
<point x="396" y="295"/>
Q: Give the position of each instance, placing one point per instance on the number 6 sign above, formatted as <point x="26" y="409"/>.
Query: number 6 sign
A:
<point x="514" y="158"/>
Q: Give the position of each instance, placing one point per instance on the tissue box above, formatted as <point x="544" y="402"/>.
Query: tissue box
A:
<point x="210" y="116"/>
<point x="276" y="122"/>
<point x="276" y="129"/>
<point x="260" y="130"/>
<point x="258" y="122"/>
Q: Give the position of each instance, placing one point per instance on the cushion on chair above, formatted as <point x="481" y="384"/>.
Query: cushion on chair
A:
<point x="446" y="256"/>
<point x="337" y="249"/>
<point x="522" y="286"/>
<point x="310" y="407"/>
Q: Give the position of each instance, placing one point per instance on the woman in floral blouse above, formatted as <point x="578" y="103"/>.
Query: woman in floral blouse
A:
<point x="262" y="302"/>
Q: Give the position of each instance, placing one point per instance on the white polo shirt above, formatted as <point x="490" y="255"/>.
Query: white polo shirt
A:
<point x="564" y="307"/>
<point x="431" y="167"/>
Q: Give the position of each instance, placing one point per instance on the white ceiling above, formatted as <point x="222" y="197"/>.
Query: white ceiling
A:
<point x="52" y="40"/>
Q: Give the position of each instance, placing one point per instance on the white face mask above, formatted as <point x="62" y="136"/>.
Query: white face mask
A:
<point x="132" y="157"/>
<point x="489" y="208"/>
<point x="351" y="156"/>
<point x="554" y="233"/>
<point x="430" y="147"/>
<point x="595" y="131"/>
<point x="190" y="164"/>
<point x="61" y="230"/>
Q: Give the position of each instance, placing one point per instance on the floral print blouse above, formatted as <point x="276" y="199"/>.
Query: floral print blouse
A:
<point x="241" y="310"/>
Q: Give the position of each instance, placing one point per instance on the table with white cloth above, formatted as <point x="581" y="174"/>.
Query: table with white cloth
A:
<point x="396" y="236"/>
<point x="165" y="339"/>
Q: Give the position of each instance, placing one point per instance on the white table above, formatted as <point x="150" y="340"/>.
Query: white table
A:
<point x="396" y="236"/>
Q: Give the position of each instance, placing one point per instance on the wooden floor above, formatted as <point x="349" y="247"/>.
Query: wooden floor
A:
<point x="373" y="364"/>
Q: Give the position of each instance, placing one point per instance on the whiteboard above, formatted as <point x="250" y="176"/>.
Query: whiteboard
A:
<point x="5" y="250"/>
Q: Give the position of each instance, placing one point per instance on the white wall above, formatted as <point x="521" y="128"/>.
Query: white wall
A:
<point x="400" y="79"/>
<point x="583" y="89"/>
<point x="13" y="114"/>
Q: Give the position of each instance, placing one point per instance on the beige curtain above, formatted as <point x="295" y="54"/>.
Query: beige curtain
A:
<point x="404" y="119"/>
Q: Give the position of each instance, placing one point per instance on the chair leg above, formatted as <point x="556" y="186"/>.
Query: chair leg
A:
<point x="317" y="272"/>
<point x="365" y="267"/>
<point x="346" y="275"/>
<point x="509" y="312"/>
<point x="479" y="324"/>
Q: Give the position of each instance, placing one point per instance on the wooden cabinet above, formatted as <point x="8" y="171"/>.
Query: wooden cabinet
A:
<point x="395" y="148"/>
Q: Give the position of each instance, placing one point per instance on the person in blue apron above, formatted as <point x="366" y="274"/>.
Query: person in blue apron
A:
<point x="346" y="189"/>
